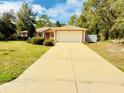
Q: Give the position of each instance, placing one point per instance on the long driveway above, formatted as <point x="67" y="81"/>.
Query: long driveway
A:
<point x="68" y="68"/>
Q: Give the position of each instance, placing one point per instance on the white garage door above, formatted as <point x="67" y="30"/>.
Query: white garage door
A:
<point x="69" y="36"/>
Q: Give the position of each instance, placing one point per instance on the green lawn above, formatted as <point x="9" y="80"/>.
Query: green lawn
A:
<point x="16" y="57"/>
<point x="111" y="52"/>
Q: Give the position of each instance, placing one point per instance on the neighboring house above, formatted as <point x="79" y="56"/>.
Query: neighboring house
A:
<point x="23" y="34"/>
<point x="62" y="34"/>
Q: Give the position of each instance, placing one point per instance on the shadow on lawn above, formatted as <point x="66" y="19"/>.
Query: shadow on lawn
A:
<point x="7" y="51"/>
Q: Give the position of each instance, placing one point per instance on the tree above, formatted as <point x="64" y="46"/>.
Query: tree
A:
<point x="7" y="26"/>
<point x="81" y="21"/>
<point x="39" y="24"/>
<point x="103" y="17"/>
<point x="44" y="21"/>
<point x="2" y="29"/>
<point x="58" y="24"/>
<point x="26" y="19"/>
<point x="72" y="20"/>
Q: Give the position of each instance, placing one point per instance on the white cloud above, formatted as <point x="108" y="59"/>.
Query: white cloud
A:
<point x="37" y="8"/>
<point x="61" y="12"/>
<point x="71" y="1"/>
<point x="6" y="6"/>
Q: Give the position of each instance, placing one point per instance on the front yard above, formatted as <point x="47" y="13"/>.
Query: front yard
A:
<point x="16" y="57"/>
<point x="112" y="52"/>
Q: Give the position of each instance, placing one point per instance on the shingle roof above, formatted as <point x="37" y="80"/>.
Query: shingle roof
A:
<point x="43" y="29"/>
<point x="63" y="28"/>
<point x="69" y="28"/>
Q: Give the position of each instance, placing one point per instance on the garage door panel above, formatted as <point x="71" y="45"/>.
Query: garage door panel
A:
<point x="69" y="36"/>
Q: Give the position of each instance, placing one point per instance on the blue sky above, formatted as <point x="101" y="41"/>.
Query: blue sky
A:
<point x="60" y="10"/>
<point x="49" y="3"/>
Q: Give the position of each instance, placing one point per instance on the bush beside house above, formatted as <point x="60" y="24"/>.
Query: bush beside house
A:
<point x="48" y="42"/>
<point x="41" y="41"/>
<point x="37" y="40"/>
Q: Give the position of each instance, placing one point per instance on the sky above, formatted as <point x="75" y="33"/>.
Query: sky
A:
<point x="57" y="10"/>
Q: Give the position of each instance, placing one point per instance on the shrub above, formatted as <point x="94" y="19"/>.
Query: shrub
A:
<point x="22" y="38"/>
<point x="48" y="43"/>
<point x="13" y="37"/>
<point x="52" y="39"/>
<point x="29" y="41"/>
<point x="122" y="42"/>
<point x="1" y="36"/>
<point x="37" y="40"/>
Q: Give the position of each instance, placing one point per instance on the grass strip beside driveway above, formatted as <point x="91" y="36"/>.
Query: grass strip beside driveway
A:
<point x="111" y="52"/>
<point x="16" y="57"/>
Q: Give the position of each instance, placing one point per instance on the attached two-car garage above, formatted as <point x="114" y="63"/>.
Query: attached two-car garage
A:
<point x="69" y="36"/>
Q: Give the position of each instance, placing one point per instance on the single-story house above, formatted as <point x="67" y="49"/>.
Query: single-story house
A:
<point x="62" y="34"/>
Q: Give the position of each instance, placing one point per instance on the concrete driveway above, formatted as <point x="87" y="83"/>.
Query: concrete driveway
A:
<point x="68" y="68"/>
